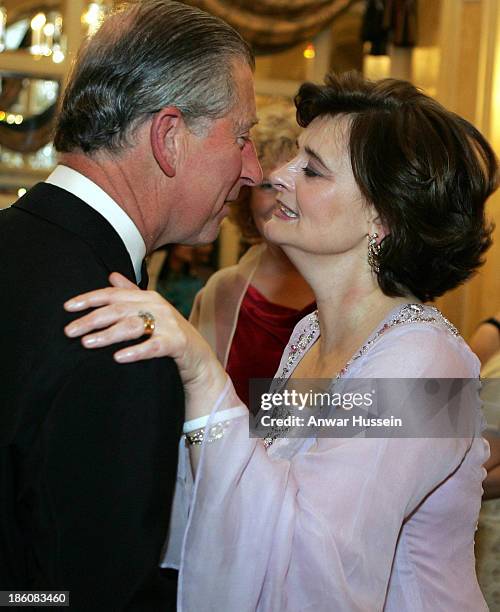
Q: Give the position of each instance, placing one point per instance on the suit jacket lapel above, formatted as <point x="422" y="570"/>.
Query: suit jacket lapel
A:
<point x="62" y="208"/>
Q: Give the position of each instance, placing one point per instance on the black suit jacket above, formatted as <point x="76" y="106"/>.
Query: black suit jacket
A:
<point x="88" y="447"/>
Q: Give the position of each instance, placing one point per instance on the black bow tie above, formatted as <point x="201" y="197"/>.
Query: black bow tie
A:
<point x="144" y="276"/>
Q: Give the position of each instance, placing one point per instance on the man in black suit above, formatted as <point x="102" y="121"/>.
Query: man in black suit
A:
<point x="153" y="136"/>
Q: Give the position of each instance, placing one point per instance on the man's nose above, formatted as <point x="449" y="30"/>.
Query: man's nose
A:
<point x="251" y="172"/>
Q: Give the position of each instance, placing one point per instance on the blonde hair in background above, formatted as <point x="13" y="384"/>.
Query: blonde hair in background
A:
<point x="275" y="136"/>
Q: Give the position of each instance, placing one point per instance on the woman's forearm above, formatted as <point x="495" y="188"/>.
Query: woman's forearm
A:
<point x="212" y="393"/>
<point x="203" y="391"/>
<point x="201" y="397"/>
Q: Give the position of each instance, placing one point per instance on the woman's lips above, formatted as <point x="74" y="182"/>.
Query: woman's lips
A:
<point x="283" y="212"/>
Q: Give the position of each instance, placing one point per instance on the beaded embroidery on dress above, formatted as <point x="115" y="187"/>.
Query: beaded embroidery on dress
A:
<point x="404" y="315"/>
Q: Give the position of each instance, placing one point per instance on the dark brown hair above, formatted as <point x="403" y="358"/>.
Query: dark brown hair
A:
<point x="427" y="172"/>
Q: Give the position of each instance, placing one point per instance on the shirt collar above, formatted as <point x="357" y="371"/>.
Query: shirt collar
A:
<point x="85" y="189"/>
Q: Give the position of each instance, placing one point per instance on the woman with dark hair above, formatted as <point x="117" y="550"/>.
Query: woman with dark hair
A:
<point x="381" y="209"/>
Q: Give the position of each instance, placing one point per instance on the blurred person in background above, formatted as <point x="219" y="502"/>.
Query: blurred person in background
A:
<point x="485" y="341"/>
<point x="174" y="276"/>
<point x="178" y="272"/>
<point x="247" y="312"/>
<point x="486" y="344"/>
<point x="204" y="261"/>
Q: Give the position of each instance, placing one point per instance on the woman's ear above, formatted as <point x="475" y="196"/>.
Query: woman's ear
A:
<point x="376" y="226"/>
<point x="167" y="130"/>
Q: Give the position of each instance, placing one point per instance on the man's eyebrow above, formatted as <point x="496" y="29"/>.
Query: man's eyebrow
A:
<point x="315" y="156"/>
<point x="246" y="126"/>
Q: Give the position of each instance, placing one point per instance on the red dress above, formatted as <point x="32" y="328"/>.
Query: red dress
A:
<point x="262" y="332"/>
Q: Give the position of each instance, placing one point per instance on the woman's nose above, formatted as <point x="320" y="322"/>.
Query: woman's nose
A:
<point x="282" y="178"/>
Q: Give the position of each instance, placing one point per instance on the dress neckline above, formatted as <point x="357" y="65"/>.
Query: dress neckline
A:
<point x="399" y="315"/>
<point x="402" y="314"/>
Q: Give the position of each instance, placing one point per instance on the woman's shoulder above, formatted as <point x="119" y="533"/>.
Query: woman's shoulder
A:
<point x="418" y="341"/>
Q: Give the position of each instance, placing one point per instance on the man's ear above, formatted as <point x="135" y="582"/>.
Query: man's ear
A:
<point x="167" y="130"/>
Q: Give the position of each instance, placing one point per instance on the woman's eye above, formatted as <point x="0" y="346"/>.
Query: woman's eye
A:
<point x="266" y="186"/>
<point x="308" y="171"/>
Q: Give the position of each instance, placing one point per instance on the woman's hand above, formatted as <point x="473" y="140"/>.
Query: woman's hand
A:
<point x="117" y="319"/>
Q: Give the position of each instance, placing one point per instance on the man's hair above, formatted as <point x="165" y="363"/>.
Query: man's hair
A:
<point x="148" y="55"/>
<point x="427" y="172"/>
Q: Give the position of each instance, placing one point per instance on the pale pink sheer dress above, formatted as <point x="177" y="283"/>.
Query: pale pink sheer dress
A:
<point x="330" y="524"/>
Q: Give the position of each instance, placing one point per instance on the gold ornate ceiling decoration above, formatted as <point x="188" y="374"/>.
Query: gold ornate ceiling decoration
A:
<point x="274" y="25"/>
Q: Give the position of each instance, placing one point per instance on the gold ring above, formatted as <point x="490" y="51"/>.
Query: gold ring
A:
<point x="149" y="322"/>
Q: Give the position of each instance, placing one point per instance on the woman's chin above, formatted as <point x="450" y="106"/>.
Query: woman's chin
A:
<point x="271" y="233"/>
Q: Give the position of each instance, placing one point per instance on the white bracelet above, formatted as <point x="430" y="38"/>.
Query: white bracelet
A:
<point x="223" y="415"/>
<point x="194" y="424"/>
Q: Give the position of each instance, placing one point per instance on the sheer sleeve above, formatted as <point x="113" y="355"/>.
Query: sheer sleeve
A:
<point x="316" y="532"/>
<point x="194" y="317"/>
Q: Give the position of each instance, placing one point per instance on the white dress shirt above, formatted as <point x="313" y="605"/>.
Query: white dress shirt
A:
<point x="85" y="189"/>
